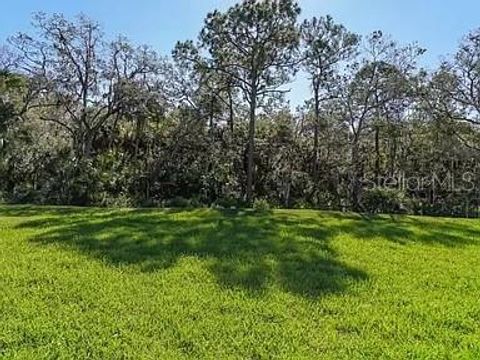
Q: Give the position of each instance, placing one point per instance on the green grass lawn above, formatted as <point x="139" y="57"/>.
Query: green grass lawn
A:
<point x="159" y="284"/>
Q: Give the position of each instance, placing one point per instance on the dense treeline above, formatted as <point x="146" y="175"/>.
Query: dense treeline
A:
<point x="91" y="121"/>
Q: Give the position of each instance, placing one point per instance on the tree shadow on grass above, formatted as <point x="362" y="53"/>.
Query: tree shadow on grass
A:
<point x="413" y="229"/>
<point x="242" y="249"/>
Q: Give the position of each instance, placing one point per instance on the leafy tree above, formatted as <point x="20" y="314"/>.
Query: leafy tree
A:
<point x="254" y="43"/>
<point x="374" y="87"/>
<point x="91" y="121"/>
<point x="455" y="90"/>
<point x="325" y="46"/>
<point x="72" y="80"/>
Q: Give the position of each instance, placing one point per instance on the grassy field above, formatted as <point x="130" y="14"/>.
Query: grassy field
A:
<point x="159" y="284"/>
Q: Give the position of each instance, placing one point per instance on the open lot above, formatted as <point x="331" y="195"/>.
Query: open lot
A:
<point x="157" y="284"/>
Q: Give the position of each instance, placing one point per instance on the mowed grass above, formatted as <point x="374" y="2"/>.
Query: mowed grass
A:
<point x="193" y="284"/>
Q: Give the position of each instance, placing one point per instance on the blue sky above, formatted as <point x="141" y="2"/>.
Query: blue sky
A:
<point x="437" y="25"/>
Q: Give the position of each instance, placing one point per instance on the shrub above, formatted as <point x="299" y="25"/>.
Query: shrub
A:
<point x="228" y="203"/>
<point x="118" y="201"/>
<point x="302" y="204"/>
<point x="178" y="202"/>
<point x="261" y="205"/>
<point x="385" y="200"/>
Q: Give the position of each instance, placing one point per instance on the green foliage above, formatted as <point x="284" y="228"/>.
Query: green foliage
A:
<point x="229" y="203"/>
<point x="128" y="283"/>
<point x="385" y="200"/>
<point x="261" y="205"/>
<point x="209" y="126"/>
<point x="119" y="201"/>
<point x="180" y="202"/>
<point x="11" y="85"/>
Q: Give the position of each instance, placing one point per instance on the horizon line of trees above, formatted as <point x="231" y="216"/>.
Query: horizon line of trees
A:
<point x="87" y="120"/>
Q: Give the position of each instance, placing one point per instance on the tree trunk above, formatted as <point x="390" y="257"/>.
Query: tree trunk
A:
<point x="138" y="134"/>
<point x="88" y="144"/>
<point x="355" y="181"/>
<point x="377" y="155"/>
<point x="288" y="187"/>
<point x="393" y="154"/>
<point x="230" y="109"/>
<point x="316" y="130"/>
<point x="211" y="116"/>
<point x="251" y="146"/>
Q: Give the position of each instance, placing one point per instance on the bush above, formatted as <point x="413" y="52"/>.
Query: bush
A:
<point x="385" y="200"/>
<point x="178" y="202"/>
<point x="261" y="205"/>
<point x="302" y="204"/>
<point x="24" y="194"/>
<point x="118" y="201"/>
<point x="228" y="203"/>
